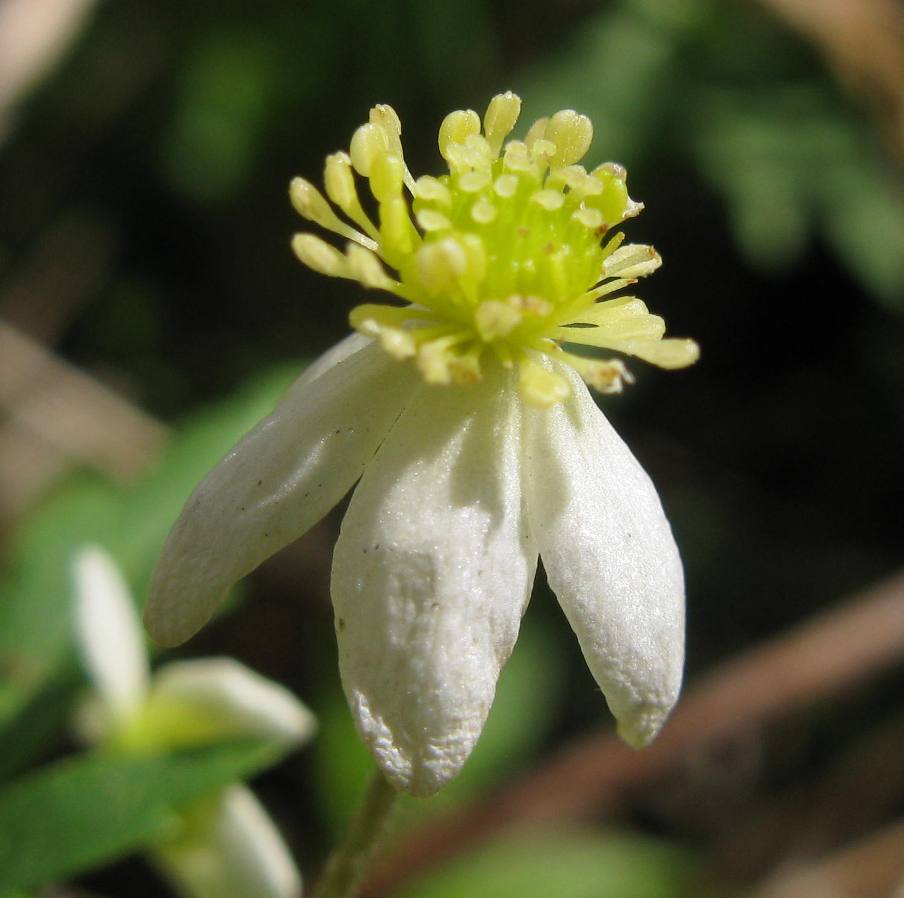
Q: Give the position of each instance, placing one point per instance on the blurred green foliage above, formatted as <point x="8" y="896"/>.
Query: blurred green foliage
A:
<point x="78" y="813"/>
<point x="568" y="865"/>
<point x="36" y="630"/>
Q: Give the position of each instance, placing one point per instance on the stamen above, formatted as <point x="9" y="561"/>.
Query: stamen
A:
<point x="604" y="375"/>
<point x="505" y="186"/>
<point x="572" y="133"/>
<point x="502" y="259"/>
<point x="495" y="319"/>
<point x="340" y="188"/>
<point x="398" y="237"/>
<point x="646" y="327"/>
<point x="431" y="220"/>
<point x="455" y="129"/>
<point x="385" y="117"/>
<point x="368" y="142"/>
<point x="671" y="352"/>
<point x="483" y="211"/>
<point x="474" y="182"/>
<point x="311" y="204"/>
<point x="500" y="118"/>
<point x="386" y="174"/>
<point x="550" y="200"/>
<point x="366" y="268"/>
<point x="430" y="190"/>
<point x="632" y="261"/>
<point x="319" y="256"/>
<point x="539" y="385"/>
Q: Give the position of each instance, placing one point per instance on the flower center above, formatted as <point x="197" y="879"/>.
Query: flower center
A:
<point x="510" y="255"/>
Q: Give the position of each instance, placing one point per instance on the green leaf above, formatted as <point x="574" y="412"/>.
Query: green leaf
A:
<point x="36" y="647"/>
<point x="84" y="811"/>
<point x="577" y="864"/>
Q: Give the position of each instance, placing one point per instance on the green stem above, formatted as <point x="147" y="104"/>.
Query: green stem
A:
<point x="348" y="862"/>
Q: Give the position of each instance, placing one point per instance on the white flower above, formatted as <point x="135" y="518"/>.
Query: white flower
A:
<point x="476" y="441"/>
<point x="226" y="844"/>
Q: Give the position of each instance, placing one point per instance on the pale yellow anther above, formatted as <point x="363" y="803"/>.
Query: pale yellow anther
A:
<point x="430" y="220"/>
<point x="368" y="142"/>
<point x="465" y="368"/>
<point x="386" y="173"/>
<point x="576" y="179"/>
<point x="474" y="181"/>
<point x="310" y="203"/>
<point x="318" y="255"/>
<point x="339" y="180"/>
<point x="479" y="145"/>
<point x="366" y="268"/>
<point x="384" y="116"/>
<point x="536" y="131"/>
<point x="456" y="128"/>
<point x="542" y="151"/>
<point x="483" y="211"/>
<point x="540" y="386"/>
<point x="397" y="234"/>
<point x="572" y="134"/>
<point x="397" y="342"/>
<point x="516" y="157"/>
<point x="612" y="170"/>
<point x="475" y="258"/>
<point x="433" y="360"/>
<point x="634" y="261"/>
<point x="495" y="319"/>
<point x="432" y="191"/>
<point x="530" y="305"/>
<point x="505" y="186"/>
<point x="643" y="327"/>
<point x="623" y="307"/>
<point x="607" y="376"/>
<point x="441" y="264"/>
<point x="614" y="332"/>
<point x="590" y="218"/>
<point x="672" y="352"/>
<point x="550" y="200"/>
<point x="500" y="118"/>
<point x="370" y="317"/>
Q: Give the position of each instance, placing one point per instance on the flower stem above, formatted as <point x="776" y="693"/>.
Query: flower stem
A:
<point x="348" y="861"/>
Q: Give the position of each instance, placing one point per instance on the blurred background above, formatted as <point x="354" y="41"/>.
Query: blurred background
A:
<point x="151" y="311"/>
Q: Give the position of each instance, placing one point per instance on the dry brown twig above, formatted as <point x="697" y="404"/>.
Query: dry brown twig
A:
<point x="819" y="658"/>
<point x="870" y="868"/>
<point x="57" y="414"/>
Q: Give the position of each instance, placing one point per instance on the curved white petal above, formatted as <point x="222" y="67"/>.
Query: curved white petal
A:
<point x="329" y="359"/>
<point x="230" y="848"/>
<point x="610" y="558"/>
<point x="431" y="574"/>
<point x="220" y="697"/>
<point x="280" y="479"/>
<point x="109" y="634"/>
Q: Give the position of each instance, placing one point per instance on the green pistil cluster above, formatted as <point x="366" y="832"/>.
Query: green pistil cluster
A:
<point x="507" y="256"/>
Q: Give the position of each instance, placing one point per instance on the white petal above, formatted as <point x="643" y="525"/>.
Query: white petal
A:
<point x="610" y="558"/>
<point x="221" y="698"/>
<point x="230" y="849"/>
<point x="431" y="574"/>
<point x="329" y="359"/>
<point x="109" y="634"/>
<point x="280" y="479"/>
